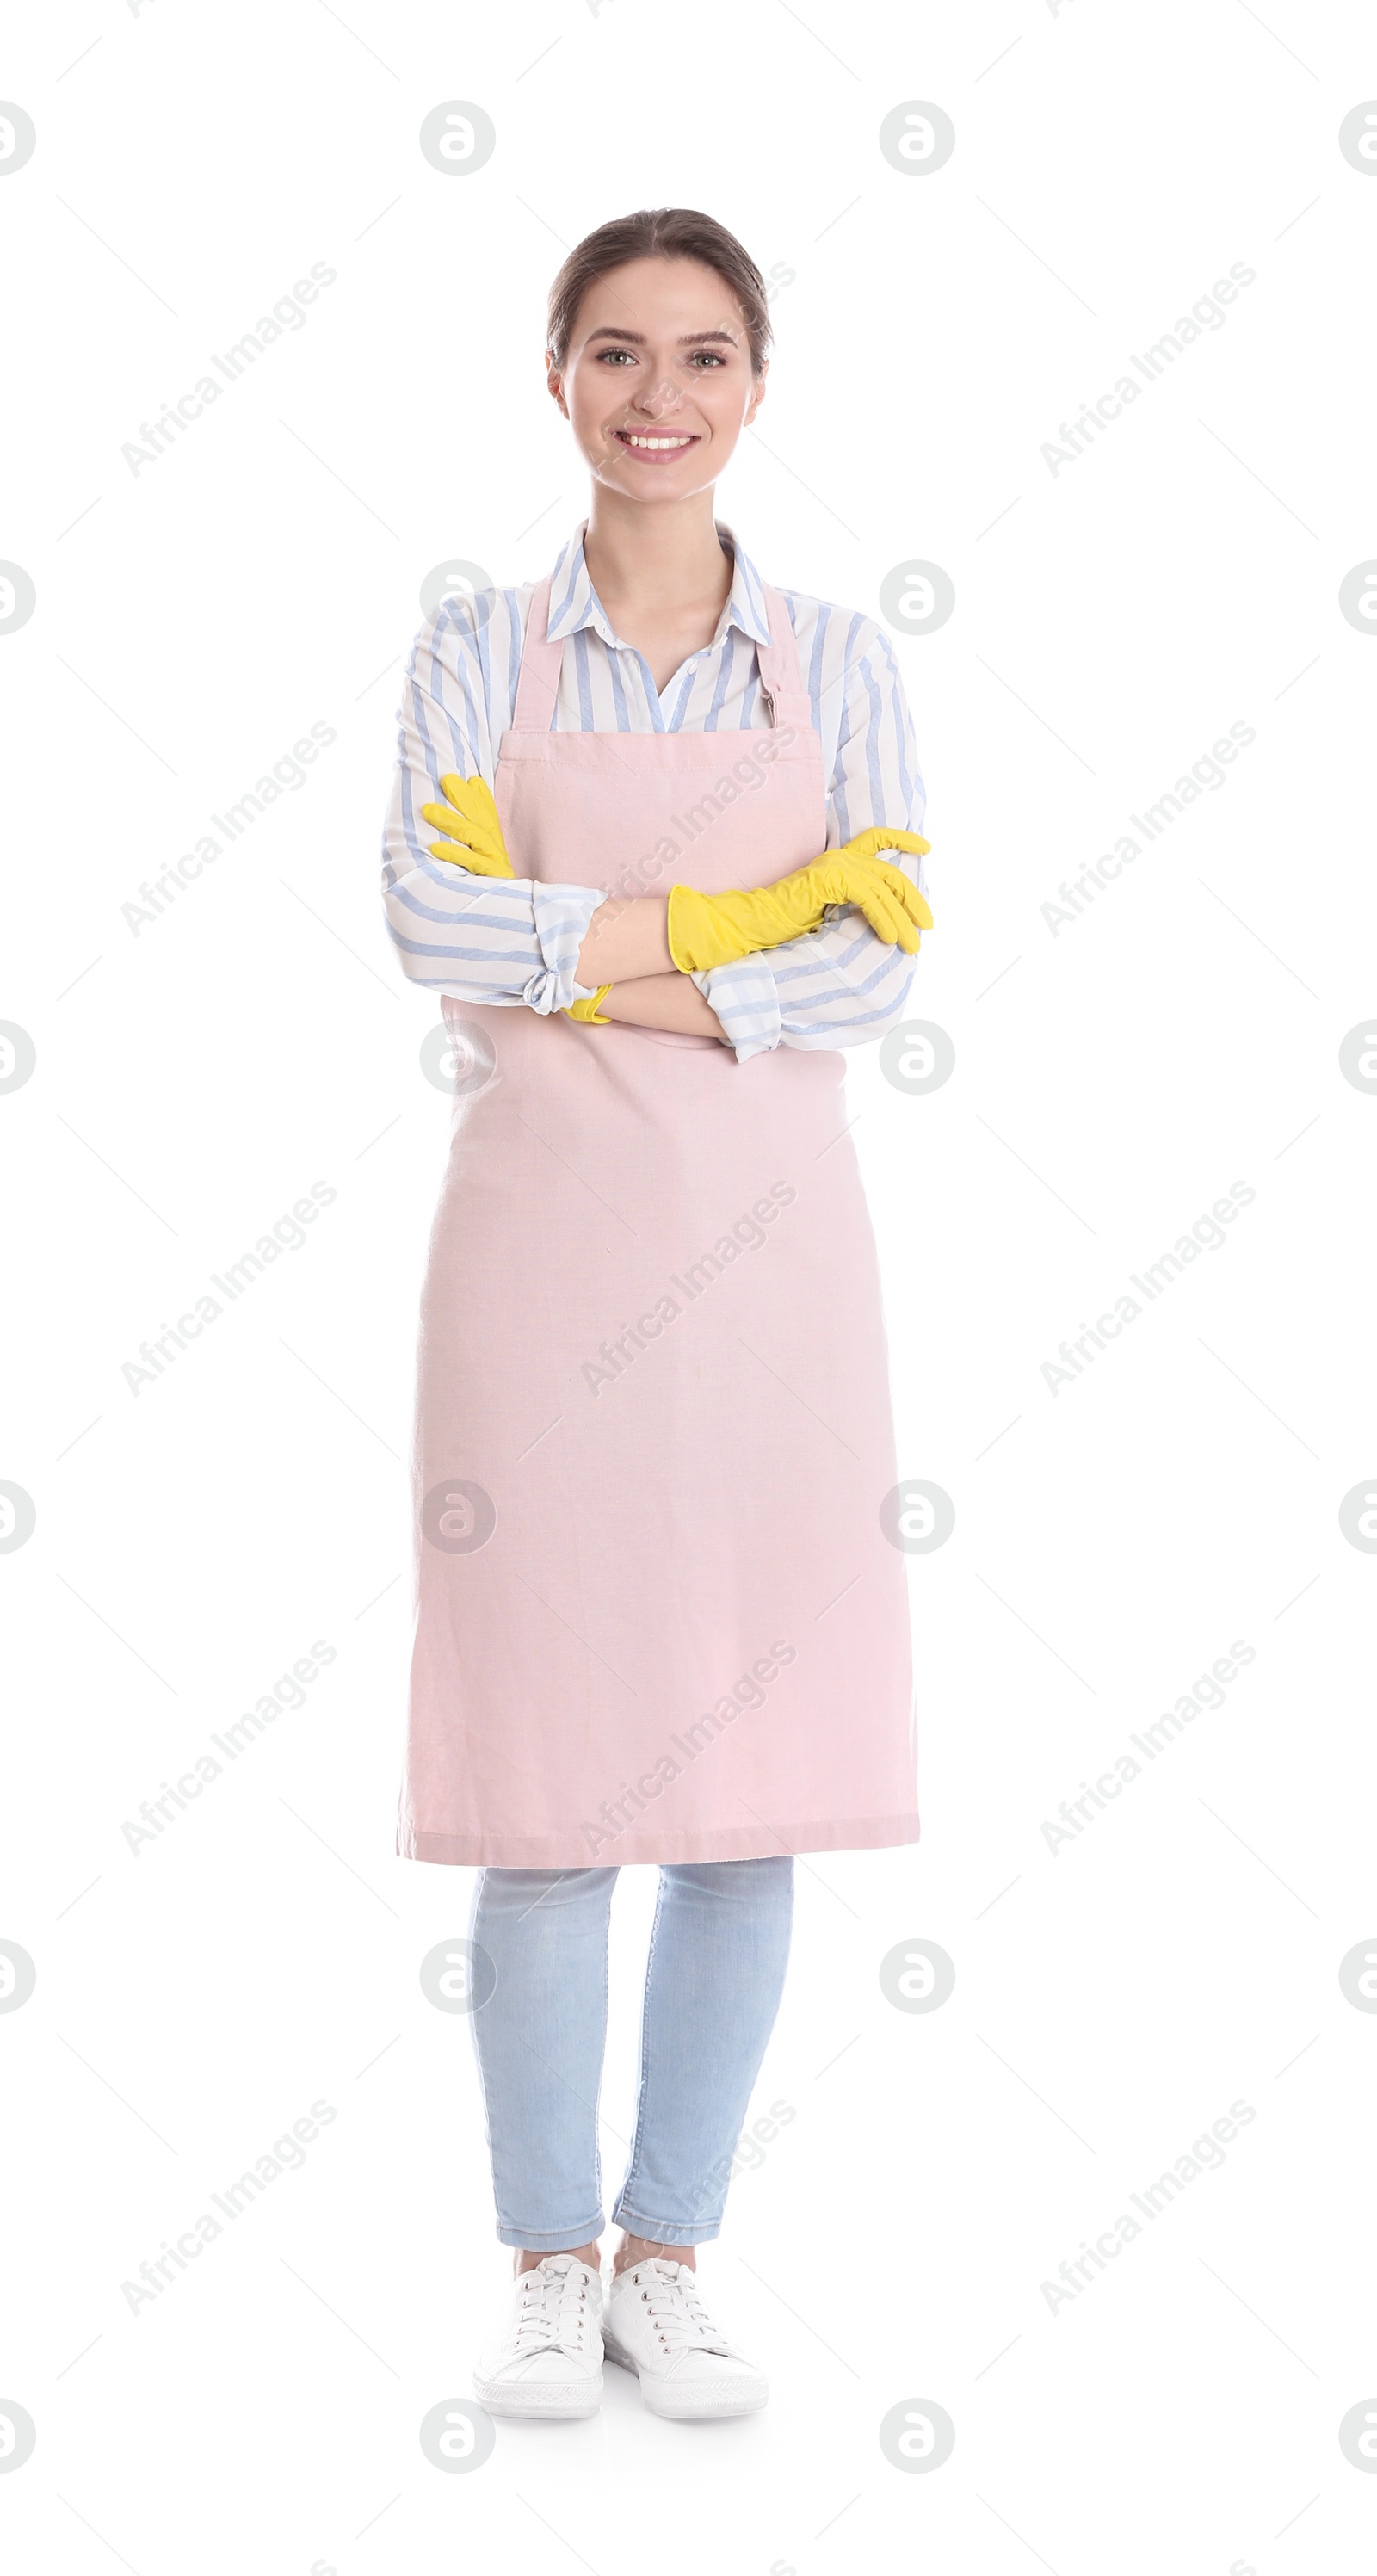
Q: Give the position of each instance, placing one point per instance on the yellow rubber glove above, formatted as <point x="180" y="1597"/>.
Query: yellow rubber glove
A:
<point x="589" y="1010"/>
<point x="473" y="834"/>
<point x="711" y="929"/>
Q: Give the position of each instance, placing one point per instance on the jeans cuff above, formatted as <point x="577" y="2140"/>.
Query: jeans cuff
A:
<point x="548" y="2240"/>
<point x="665" y="2231"/>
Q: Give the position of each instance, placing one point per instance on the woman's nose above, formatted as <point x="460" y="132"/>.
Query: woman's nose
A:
<point x="658" y="399"/>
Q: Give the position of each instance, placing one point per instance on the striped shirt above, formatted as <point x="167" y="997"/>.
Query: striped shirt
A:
<point x="513" y="940"/>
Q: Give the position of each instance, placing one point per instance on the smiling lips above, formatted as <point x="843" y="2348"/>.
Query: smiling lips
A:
<point x="655" y="442"/>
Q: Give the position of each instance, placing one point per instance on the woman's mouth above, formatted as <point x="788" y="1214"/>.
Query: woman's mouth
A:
<point x="656" y="446"/>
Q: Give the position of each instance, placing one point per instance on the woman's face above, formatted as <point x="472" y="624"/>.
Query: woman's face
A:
<point x="657" y="385"/>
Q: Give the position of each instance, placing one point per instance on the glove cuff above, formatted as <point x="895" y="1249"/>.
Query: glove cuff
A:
<point x="689" y="928"/>
<point x="588" y="1011"/>
<point x="707" y="930"/>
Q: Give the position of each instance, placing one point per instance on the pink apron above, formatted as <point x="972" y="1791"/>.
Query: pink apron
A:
<point x="657" y="1616"/>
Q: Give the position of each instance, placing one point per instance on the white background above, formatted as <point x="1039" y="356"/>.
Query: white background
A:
<point x="1111" y="1540"/>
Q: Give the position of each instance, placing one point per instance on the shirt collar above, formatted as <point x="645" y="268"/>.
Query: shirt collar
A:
<point x="574" y="603"/>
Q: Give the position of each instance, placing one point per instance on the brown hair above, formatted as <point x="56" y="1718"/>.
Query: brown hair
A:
<point x="662" y="232"/>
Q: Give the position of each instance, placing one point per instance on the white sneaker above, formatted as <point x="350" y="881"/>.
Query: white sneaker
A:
<point x="656" y="2324"/>
<point x="549" y="2360"/>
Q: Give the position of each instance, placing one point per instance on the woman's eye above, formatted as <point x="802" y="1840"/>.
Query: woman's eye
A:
<point x="700" y="358"/>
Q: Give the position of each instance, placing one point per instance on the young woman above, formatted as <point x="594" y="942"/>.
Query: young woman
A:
<point x="634" y="846"/>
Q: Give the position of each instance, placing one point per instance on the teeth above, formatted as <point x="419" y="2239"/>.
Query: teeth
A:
<point x="633" y="440"/>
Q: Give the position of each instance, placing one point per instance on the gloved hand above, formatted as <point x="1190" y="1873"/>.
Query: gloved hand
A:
<point x="473" y="834"/>
<point x="711" y="929"/>
<point x="589" y="1010"/>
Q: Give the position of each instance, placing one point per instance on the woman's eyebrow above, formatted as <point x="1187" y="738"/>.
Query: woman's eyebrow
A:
<point x="686" y="340"/>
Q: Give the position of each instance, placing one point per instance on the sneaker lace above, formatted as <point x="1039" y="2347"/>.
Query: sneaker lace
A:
<point x="676" y="2308"/>
<point x="552" y="2310"/>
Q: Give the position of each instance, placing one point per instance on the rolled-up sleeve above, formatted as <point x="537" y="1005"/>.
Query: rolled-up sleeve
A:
<point x="502" y="940"/>
<point x="840" y="985"/>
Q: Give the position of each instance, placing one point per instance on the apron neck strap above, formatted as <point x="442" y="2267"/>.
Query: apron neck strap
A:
<point x="786" y="699"/>
<point x="538" y="685"/>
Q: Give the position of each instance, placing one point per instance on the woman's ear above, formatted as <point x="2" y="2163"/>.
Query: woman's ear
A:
<point x="757" y="395"/>
<point x="554" y="379"/>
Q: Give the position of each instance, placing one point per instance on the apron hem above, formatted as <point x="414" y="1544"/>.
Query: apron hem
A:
<point x="733" y="1842"/>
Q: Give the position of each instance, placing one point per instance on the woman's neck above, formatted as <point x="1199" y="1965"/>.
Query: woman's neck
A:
<point x="642" y="559"/>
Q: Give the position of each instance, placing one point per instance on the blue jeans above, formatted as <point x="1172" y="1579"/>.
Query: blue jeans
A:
<point x="718" y="1952"/>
